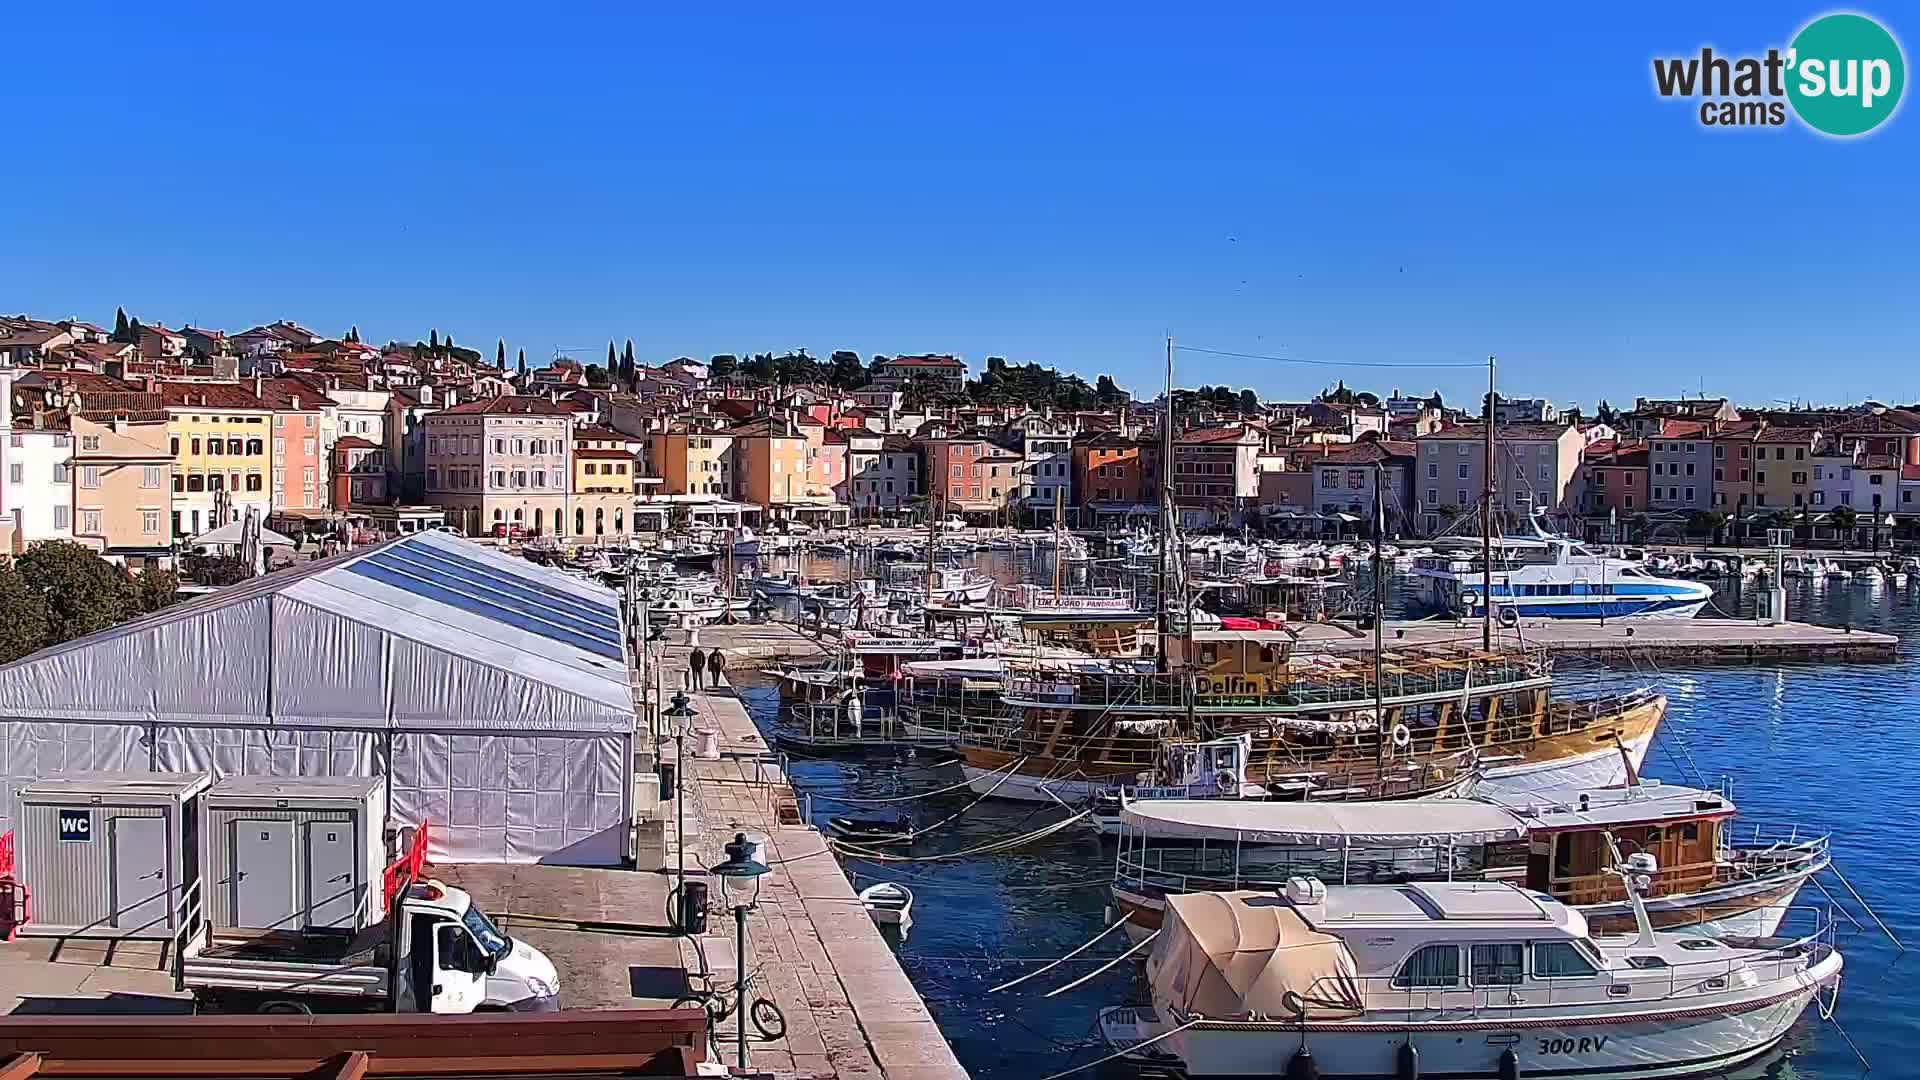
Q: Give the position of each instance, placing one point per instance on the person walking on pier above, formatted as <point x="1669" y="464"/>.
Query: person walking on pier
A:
<point x="697" y="661"/>
<point x="715" y="663"/>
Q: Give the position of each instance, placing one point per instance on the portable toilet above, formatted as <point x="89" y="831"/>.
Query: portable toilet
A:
<point x="295" y="853"/>
<point x="111" y="854"/>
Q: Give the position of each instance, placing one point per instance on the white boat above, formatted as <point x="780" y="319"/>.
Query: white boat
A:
<point x="1709" y="876"/>
<point x="890" y="903"/>
<point x="1463" y="980"/>
<point x="1555" y="578"/>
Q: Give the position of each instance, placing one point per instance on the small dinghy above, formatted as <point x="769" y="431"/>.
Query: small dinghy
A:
<point x="872" y="830"/>
<point x="890" y="904"/>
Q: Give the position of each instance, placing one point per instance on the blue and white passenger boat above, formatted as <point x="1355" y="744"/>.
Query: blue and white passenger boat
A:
<point x="1552" y="577"/>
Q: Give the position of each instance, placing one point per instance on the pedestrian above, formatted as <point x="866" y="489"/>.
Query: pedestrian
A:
<point x="715" y="664"/>
<point x="698" y="660"/>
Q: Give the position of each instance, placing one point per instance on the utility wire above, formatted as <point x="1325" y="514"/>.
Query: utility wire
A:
<point x="1320" y="363"/>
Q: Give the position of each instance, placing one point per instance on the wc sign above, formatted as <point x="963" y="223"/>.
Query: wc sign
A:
<point x="76" y="827"/>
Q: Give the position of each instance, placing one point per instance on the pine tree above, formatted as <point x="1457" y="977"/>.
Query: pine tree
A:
<point x="523" y="365"/>
<point x="353" y="334"/>
<point x="133" y="332"/>
<point x="613" y="362"/>
<point x="500" y="355"/>
<point x="433" y="340"/>
<point x="120" y="324"/>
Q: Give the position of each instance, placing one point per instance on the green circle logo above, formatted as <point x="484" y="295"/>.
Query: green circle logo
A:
<point x="1845" y="74"/>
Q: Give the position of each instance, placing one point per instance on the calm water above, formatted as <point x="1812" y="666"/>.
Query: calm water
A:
<point x="1829" y="747"/>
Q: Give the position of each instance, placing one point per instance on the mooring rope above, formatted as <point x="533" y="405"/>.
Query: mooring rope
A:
<point x="990" y="848"/>
<point x="1124" y="920"/>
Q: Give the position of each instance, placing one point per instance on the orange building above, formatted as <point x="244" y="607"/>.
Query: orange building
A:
<point x="299" y="461"/>
<point x="1109" y="468"/>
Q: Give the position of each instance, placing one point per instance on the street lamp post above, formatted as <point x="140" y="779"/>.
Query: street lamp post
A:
<point x="682" y="715"/>
<point x="740" y="883"/>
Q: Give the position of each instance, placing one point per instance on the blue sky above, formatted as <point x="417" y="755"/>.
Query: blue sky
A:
<point x="1065" y="185"/>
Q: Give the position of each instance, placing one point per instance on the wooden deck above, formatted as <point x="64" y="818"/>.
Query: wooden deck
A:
<point x="1631" y="641"/>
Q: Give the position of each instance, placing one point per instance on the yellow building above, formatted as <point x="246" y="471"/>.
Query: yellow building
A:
<point x="219" y="434"/>
<point x="694" y="461"/>
<point x="122" y="473"/>
<point x="1783" y="469"/>
<point x="602" y="495"/>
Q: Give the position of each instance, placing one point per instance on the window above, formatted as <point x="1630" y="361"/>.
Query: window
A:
<point x="196" y="482"/>
<point x="63" y="517"/>
<point x="1460" y="497"/>
<point x="279" y="420"/>
<point x="61" y="472"/>
<point x="1689" y="494"/>
<point x="150" y="477"/>
<point x="1498" y="965"/>
<point x="90" y="476"/>
<point x="150" y="522"/>
<point x="1433" y="470"/>
<point x="236" y="447"/>
<point x="1720" y="452"/>
<point x="307" y="446"/>
<point x="1432" y="967"/>
<point x="254" y="481"/>
<point x="90" y="522"/>
<point x="1433" y="497"/>
<point x="174" y="443"/>
<point x="1463" y="470"/>
<point x="1560" y="960"/>
<point x="214" y="447"/>
<point x="307" y="478"/>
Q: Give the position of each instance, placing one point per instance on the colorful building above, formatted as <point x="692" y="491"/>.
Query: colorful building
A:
<point x="501" y="465"/>
<point x="218" y="433"/>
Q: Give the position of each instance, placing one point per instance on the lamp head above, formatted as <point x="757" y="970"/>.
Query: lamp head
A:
<point x="740" y="875"/>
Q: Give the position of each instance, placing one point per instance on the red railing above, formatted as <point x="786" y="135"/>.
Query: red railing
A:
<point x="6" y="853"/>
<point x="16" y="902"/>
<point x="406" y="869"/>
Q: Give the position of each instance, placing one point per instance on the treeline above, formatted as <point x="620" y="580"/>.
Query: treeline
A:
<point x="58" y="590"/>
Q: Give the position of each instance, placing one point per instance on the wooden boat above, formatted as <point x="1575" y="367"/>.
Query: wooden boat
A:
<point x="1703" y="873"/>
<point x="1461" y="979"/>
<point x="872" y="831"/>
<point x="1320" y="727"/>
<point x="890" y="904"/>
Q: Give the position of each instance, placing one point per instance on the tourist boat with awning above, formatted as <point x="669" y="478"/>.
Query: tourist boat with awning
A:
<point x="1463" y="980"/>
<point x="1706" y="873"/>
<point x="1324" y="724"/>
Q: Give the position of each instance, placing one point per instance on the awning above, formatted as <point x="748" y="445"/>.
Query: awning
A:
<point x="1406" y="823"/>
<point x="1241" y="954"/>
<point x="232" y="535"/>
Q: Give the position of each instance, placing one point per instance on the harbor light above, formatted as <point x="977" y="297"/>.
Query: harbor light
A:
<point x="740" y="883"/>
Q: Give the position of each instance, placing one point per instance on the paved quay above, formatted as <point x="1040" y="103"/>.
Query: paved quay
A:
<point x="850" y="1009"/>
<point x="1636" y="641"/>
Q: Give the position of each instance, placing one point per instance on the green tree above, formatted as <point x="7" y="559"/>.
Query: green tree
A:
<point x="500" y="355"/>
<point x="353" y="334"/>
<point x="216" y="569"/>
<point x="83" y="592"/>
<point x="1249" y="402"/>
<point x="1107" y="392"/>
<point x="25" y="627"/>
<point x="1844" y="520"/>
<point x="1607" y="414"/>
<point x="154" y="588"/>
<point x="120" y="326"/>
<point x="1435" y="403"/>
<point x="845" y="370"/>
<point x="523" y="365"/>
<point x="613" y="357"/>
<point x="629" y="368"/>
<point x="596" y="376"/>
<point x="1707" y="523"/>
<point x="723" y="366"/>
<point x="433" y="340"/>
<point x="133" y="332"/>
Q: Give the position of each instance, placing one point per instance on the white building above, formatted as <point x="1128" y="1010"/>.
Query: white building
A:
<point x="39" y="483"/>
<point x="1524" y="411"/>
<point x="1046" y="451"/>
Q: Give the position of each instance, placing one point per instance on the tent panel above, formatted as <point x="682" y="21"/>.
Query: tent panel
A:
<point x="327" y="669"/>
<point x="214" y="665"/>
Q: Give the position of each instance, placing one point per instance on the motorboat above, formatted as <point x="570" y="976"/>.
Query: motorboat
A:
<point x="872" y="831"/>
<point x="890" y="903"/>
<point x="1552" y="577"/>
<point x="1710" y="875"/>
<point x="743" y="543"/>
<point x="1463" y="979"/>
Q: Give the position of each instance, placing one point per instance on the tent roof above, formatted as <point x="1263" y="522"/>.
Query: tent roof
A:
<point x="1333" y="824"/>
<point x="428" y="632"/>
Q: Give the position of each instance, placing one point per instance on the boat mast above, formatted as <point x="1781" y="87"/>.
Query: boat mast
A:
<point x="1486" y="525"/>
<point x="1059" y="549"/>
<point x="1166" y="512"/>
<point x="932" y="513"/>
<point x="1379" y="619"/>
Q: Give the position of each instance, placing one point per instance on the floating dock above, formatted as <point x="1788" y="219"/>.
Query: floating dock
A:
<point x="1627" y="642"/>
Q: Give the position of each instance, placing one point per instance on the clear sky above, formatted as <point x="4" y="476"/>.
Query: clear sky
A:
<point x="1409" y="183"/>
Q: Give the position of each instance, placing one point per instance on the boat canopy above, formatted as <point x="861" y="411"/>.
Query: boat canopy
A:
<point x="1400" y="823"/>
<point x="1239" y="954"/>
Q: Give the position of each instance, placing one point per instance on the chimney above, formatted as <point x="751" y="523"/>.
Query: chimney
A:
<point x="152" y="384"/>
<point x="296" y="402"/>
<point x="256" y="385"/>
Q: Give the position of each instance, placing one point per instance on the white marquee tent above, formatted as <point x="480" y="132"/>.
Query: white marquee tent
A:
<point x="491" y="691"/>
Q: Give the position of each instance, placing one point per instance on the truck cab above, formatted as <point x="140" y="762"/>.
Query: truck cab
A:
<point x="458" y="961"/>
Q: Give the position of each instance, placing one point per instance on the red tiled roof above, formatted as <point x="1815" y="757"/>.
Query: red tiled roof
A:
<point x="201" y="395"/>
<point x="279" y="394"/>
<point x="923" y="361"/>
<point x="1507" y="432"/>
<point x="1217" y="435"/>
<point x="1910" y="472"/>
<point x="598" y="431"/>
<point x="1789" y="435"/>
<point x="508" y="405"/>
<point x="1673" y="428"/>
<point x="353" y="442"/>
<point x="590" y="452"/>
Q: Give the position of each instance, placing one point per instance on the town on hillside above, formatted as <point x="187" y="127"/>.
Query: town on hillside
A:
<point x="142" y="440"/>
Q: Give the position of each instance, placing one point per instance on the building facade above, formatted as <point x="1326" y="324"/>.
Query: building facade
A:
<point x="1537" y="467"/>
<point x="501" y="465"/>
<point x="1680" y="468"/>
<point x="123" y="487"/>
<point x="219" y="436"/>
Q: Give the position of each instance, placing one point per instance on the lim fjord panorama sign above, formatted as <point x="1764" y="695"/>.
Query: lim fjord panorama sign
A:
<point x="1842" y="75"/>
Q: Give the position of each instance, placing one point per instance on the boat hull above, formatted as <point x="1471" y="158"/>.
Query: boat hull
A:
<point x="1720" y="1031"/>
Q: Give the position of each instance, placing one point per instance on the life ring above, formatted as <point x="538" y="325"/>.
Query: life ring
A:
<point x="1470" y="599"/>
<point x="1226" y="782"/>
<point x="1509" y="617"/>
<point x="1402" y="737"/>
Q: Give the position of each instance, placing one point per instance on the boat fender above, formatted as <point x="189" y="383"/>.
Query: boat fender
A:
<point x="1401" y="736"/>
<point x="1301" y="1066"/>
<point x="1407" y="1065"/>
<point x="1470" y="599"/>
<point x="1509" y="1064"/>
<point x="1509" y="617"/>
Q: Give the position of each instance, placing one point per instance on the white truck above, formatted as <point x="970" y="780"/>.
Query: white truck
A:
<point x="452" y="959"/>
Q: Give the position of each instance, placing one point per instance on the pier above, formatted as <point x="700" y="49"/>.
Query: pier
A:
<point x="1627" y="642"/>
<point x="815" y="952"/>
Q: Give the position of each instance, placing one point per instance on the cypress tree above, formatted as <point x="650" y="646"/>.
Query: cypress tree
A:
<point x="523" y="364"/>
<point x="120" y="324"/>
<point x="433" y="340"/>
<point x="500" y="355"/>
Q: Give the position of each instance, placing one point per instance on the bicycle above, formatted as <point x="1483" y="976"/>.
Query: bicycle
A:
<point x="718" y="1003"/>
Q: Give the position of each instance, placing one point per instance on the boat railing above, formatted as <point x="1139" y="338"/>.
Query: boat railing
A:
<point x="1147" y="871"/>
<point x="1752" y="851"/>
<point x="1780" y="959"/>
